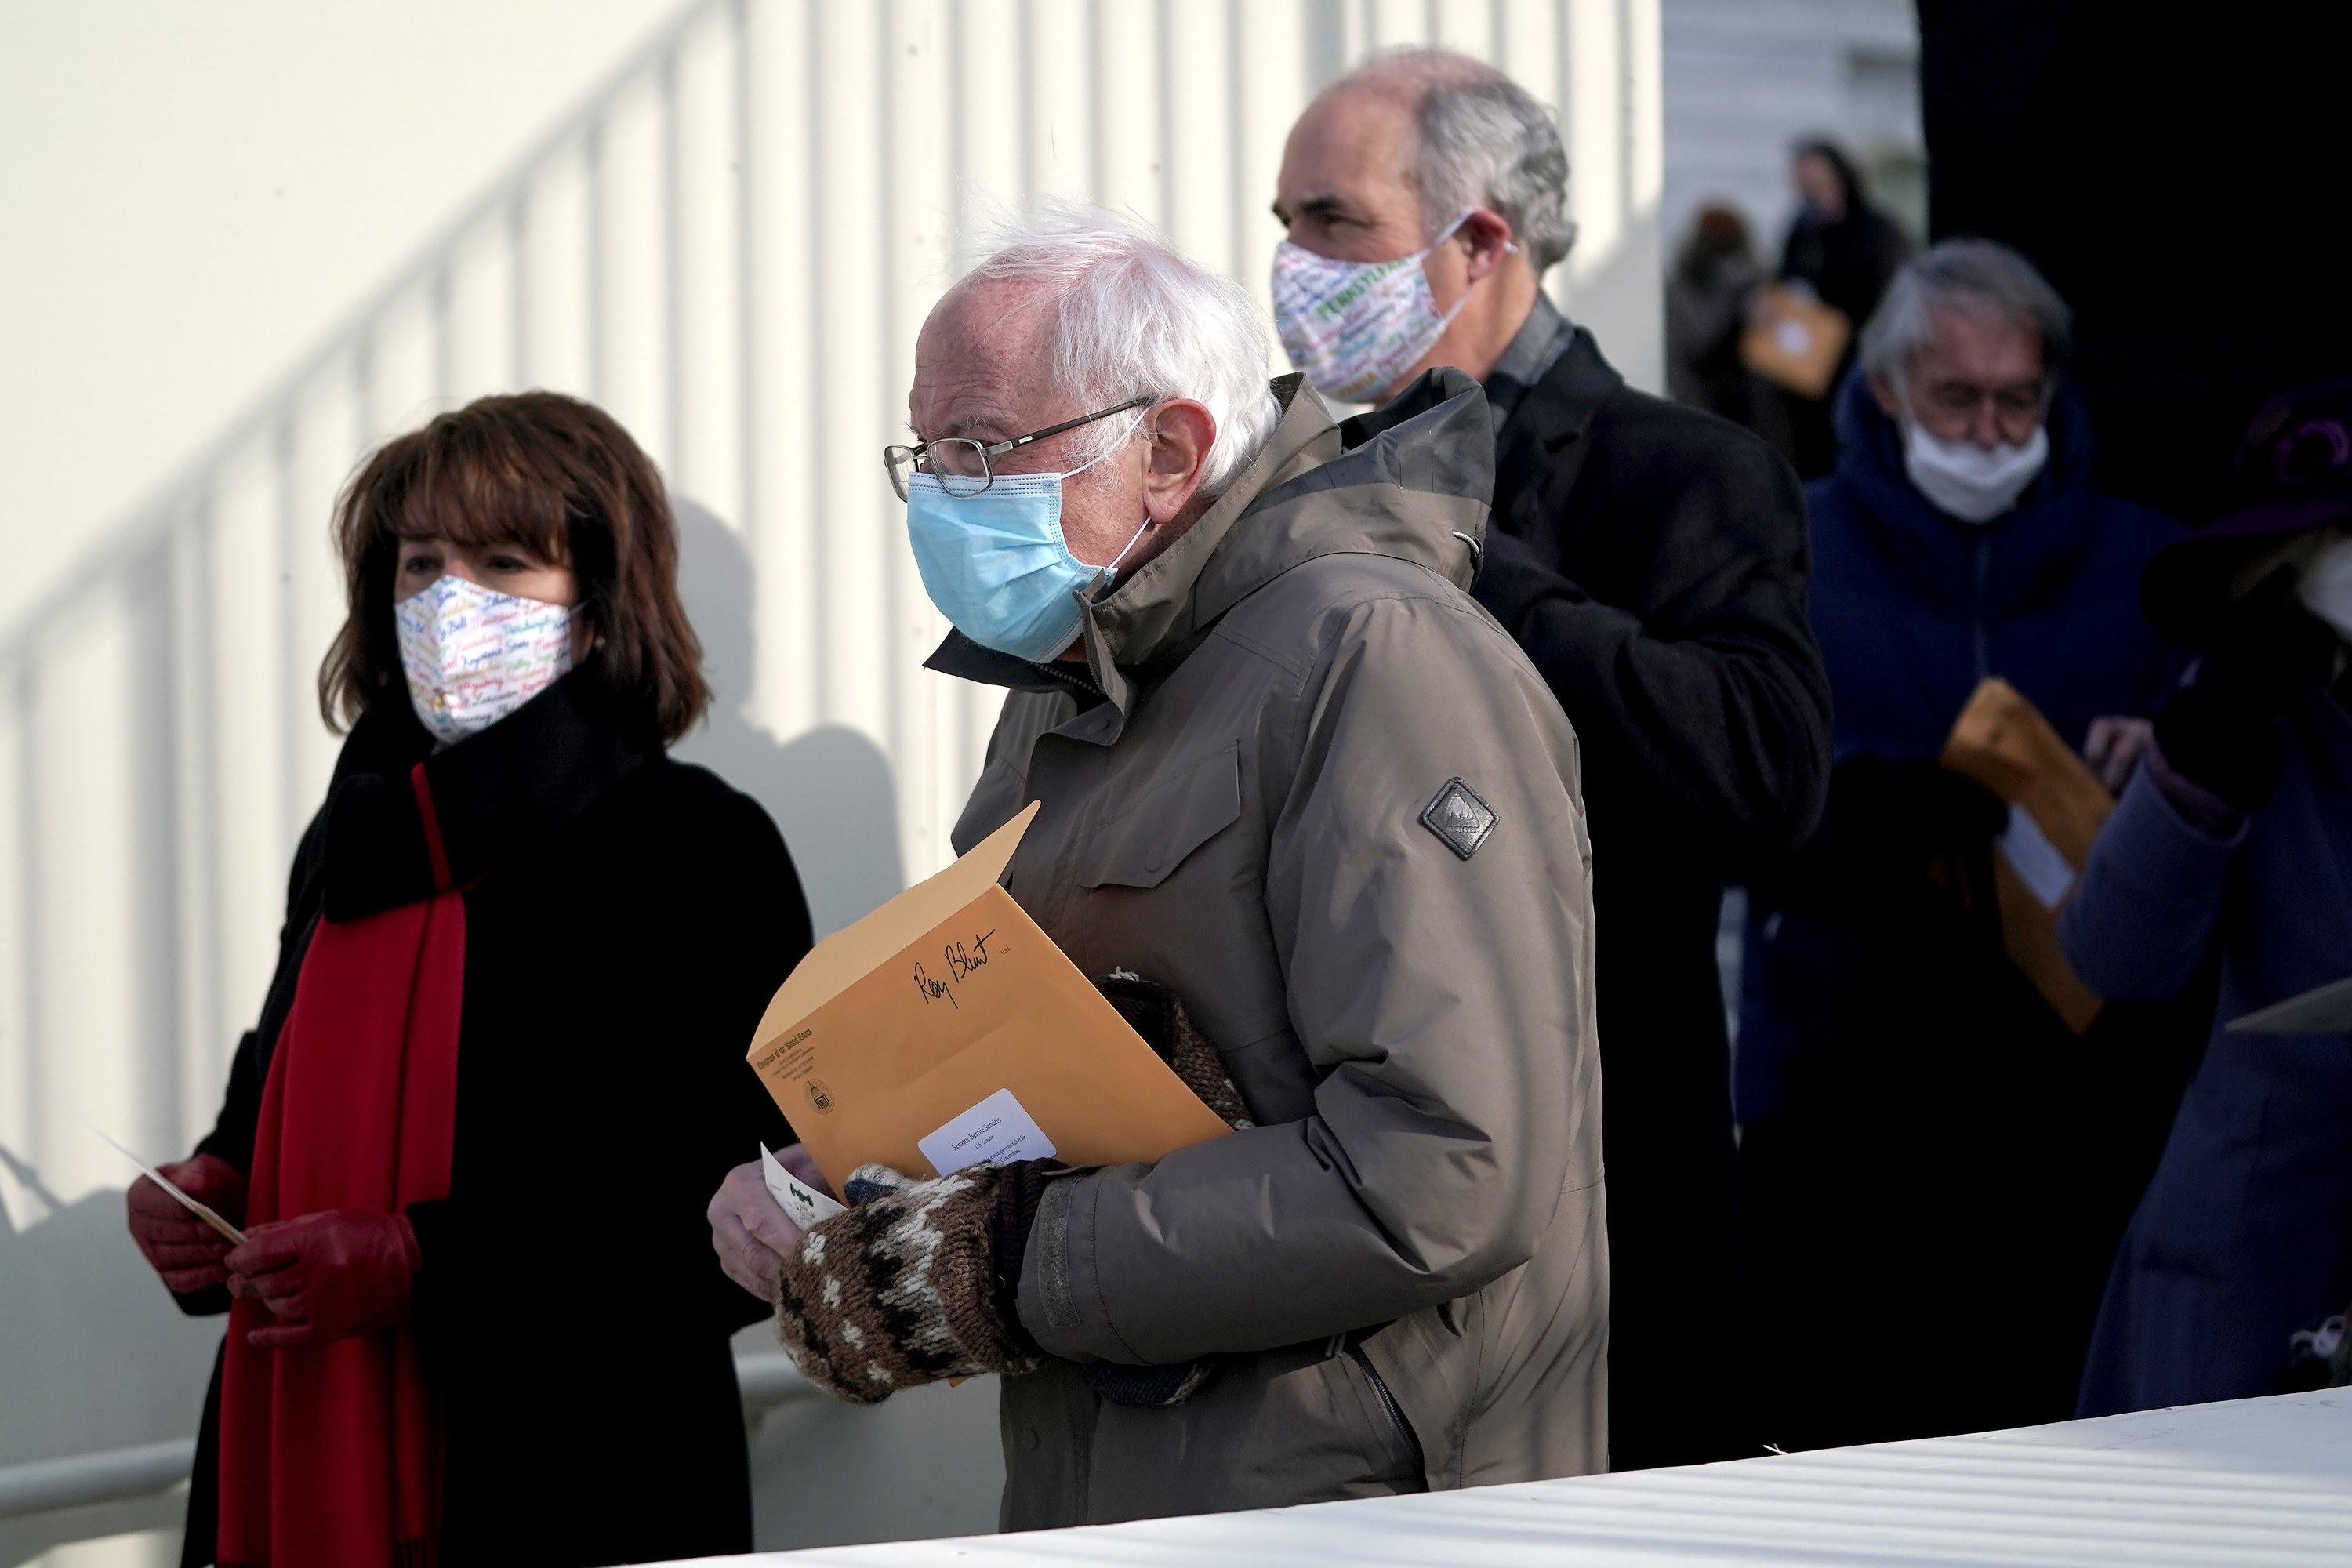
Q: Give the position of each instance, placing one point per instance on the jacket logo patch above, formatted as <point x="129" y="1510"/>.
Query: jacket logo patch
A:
<point x="1460" y="818"/>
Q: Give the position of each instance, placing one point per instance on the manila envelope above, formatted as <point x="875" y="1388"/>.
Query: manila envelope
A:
<point x="1795" y="341"/>
<point x="2003" y="742"/>
<point x="911" y="1027"/>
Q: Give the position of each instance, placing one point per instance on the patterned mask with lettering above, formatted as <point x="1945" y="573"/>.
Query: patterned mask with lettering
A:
<point x="1355" y="327"/>
<point x="472" y="656"/>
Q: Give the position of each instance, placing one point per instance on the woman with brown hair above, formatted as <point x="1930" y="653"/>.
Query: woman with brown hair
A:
<point x="524" y="951"/>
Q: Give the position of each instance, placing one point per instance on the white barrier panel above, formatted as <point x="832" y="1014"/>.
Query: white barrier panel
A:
<point x="2254" y="1483"/>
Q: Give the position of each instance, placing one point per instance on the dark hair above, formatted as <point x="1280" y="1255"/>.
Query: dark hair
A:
<point x="1830" y="153"/>
<point x="561" y="477"/>
<point x="1719" y="235"/>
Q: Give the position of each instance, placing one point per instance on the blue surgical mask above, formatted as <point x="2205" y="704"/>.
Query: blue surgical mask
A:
<point x="996" y="563"/>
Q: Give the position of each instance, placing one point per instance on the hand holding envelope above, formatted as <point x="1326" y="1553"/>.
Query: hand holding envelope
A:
<point x="946" y="1028"/>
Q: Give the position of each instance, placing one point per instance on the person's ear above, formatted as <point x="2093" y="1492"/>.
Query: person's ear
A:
<point x="1486" y="239"/>
<point x="1177" y="442"/>
<point x="1888" y="403"/>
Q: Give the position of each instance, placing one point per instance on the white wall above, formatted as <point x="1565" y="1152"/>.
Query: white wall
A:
<point x="195" y="194"/>
<point x="1746" y="79"/>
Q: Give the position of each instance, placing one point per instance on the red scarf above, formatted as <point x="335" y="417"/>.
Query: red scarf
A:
<point x="331" y="1457"/>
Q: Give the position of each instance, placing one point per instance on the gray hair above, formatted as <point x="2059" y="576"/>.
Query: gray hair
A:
<point x="1482" y="140"/>
<point x="1970" y="275"/>
<point x="1128" y="315"/>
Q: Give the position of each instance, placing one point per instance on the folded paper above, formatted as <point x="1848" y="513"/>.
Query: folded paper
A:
<point x="893" y="1039"/>
<point x="802" y="1205"/>
<point x="2056" y="806"/>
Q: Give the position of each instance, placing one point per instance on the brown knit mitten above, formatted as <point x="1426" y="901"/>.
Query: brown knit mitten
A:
<point x="911" y="1286"/>
<point x="1157" y="1014"/>
<point x="920" y="1280"/>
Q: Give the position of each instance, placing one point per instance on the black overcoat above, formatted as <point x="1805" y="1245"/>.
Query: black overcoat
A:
<point x="628" y="918"/>
<point x="1652" y="559"/>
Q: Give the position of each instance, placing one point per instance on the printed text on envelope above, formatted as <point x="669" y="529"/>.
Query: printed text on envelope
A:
<point x="996" y="1130"/>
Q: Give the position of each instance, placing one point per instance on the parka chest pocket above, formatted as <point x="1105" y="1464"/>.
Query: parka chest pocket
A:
<point x="1149" y="840"/>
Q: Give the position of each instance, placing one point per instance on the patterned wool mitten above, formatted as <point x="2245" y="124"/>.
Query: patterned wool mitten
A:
<point x="1155" y="1012"/>
<point x="911" y="1285"/>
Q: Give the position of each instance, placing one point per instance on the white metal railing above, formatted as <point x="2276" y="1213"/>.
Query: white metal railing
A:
<point x="730" y="244"/>
<point x="125" y="1475"/>
<point x="84" y="1480"/>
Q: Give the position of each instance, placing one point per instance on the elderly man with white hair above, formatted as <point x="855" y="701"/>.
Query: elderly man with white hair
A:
<point x="1316" y="822"/>
<point x="1650" y="560"/>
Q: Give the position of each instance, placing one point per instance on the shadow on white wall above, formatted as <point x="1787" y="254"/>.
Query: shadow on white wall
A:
<point x="829" y="789"/>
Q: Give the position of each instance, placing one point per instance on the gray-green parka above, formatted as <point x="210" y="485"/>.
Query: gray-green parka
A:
<point x="1251" y="816"/>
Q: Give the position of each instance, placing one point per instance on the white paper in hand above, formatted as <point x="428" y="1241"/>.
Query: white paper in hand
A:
<point x="801" y="1204"/>
<point x="160" y="1180"/>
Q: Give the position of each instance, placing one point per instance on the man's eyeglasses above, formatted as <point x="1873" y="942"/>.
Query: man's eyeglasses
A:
<point x="2012" y="400"/>
<point x="962" y="465"/>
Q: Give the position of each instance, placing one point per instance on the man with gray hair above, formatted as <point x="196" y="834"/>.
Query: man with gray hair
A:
<point x="1317" y="823"/>
<point x="1927" y="1146"/>
<point x="1652" y="562"/>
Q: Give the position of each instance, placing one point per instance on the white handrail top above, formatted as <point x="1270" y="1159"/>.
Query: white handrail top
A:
<point x="79" y="1480"/>
<point x="119" y="1475"/>
<point x="2250" y="1483"/>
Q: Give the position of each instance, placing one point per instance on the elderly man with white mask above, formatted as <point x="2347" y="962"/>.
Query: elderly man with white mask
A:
<point x="1924" y="1141"/>
<point x="1317" y="823"/>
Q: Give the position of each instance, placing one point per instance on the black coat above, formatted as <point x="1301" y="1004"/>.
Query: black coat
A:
<point x="1849" y="263"/>
<point x="628" y="918"/>
<point x="1652" y="559"/>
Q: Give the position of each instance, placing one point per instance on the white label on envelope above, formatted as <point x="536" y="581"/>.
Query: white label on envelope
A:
<point x="2037" y="862"/>
<point x="801" y="1204"/>
<point x="996" y="1130"/>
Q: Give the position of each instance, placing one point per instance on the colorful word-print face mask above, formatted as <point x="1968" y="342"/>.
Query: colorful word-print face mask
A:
<point x="472" y="656"/>
<point x="1354" y="327"/>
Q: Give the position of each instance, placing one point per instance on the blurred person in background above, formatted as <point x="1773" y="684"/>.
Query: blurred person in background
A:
<point x="1707" y="292"/>
<point x="1845" y="251"/>
<point x="523" y="953"/>
<point x="1650" y="560"/>
<point x="2238" y="833"/>
<point x="1923" y="1137"/>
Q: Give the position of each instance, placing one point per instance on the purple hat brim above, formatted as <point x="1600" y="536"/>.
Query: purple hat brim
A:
<point x="2186" y="586"/>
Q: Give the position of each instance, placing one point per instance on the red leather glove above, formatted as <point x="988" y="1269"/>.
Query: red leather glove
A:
<point x="178" y="1246"/>
<point x="327" y="1276"/>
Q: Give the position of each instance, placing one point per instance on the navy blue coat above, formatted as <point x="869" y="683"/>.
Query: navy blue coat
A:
<point x="1912" y="607"/>
<point x="2246" y="1230"/>
<point x="1917" y="1148"/>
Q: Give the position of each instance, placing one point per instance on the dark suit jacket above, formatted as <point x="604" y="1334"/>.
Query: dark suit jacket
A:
<point x="1652" y="559"/>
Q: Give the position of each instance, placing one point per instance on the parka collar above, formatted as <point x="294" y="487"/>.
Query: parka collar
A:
<point x="494" y="795"/>
<point x="1409" y="480"/>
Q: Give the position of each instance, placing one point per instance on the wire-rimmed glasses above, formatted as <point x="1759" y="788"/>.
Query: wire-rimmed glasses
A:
<point x="961" y="465"/>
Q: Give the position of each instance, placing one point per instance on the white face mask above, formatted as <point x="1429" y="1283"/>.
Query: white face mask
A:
<point x="472" y="656"/>
<point x="1355" y="327"/>
<point x="1967" y="481"/>
<point x="2326" y="588"/>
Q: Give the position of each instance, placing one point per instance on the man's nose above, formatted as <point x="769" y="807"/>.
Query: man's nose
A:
<point x="1984" y="425"/>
